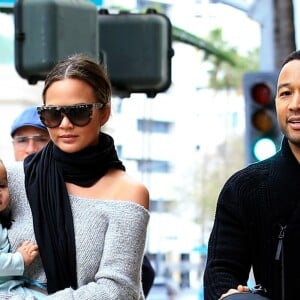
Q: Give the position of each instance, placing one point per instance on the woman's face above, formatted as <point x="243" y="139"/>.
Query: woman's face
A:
<point x="67" y="136"/>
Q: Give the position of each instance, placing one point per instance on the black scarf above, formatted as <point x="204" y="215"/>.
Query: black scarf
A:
<point x="45" y="175"/>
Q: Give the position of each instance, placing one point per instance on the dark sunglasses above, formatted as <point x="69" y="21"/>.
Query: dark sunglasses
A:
<point x="79" y="115"/>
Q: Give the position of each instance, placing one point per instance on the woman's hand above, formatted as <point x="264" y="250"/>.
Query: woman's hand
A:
<point x="239" y="289"/>
<point x="29" y="252"/>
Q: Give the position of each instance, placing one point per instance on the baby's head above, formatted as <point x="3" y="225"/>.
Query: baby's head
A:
<point x="5" y="215"/>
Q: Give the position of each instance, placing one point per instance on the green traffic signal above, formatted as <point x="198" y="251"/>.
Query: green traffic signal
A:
<point x="264" y="148"/>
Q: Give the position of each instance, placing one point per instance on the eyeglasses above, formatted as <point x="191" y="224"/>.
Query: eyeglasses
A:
<point x="21" y="141"/>
<point x="79" y="115"/>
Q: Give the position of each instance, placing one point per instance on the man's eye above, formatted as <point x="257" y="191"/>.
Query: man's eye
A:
<point x="285" y="93"/>
<point x="21" y="140"/>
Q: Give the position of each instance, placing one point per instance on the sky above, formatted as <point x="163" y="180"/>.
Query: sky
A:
<point x="6" y="28"/>
<point x="202" y="18"/>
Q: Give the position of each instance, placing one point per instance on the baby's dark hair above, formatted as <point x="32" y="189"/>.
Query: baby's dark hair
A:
<point x="5" y="215"/>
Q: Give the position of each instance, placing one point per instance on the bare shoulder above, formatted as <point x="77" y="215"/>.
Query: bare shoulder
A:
<point x="125" y="187"/>
<point x="115" y="185"/>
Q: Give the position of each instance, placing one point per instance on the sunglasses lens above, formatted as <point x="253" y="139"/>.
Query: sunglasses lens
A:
<point x="51" y="117"/>
<point x="79" y="115"/>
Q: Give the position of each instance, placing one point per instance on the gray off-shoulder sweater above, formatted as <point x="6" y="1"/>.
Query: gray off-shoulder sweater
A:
<point x="110" y="239"/>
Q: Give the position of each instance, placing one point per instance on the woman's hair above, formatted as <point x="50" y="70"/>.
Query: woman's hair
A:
<point x="295" y="55"/>
<point x="5" y="215"/>
<point x="82" y="67"/>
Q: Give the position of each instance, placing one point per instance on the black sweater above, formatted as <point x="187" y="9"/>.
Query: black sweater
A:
<point x="252" y="207"/>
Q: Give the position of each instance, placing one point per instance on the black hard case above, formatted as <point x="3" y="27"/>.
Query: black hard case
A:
<point x="47" y="31"/>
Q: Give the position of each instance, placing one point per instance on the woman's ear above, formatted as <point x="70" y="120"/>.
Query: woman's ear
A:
<point x="105" y="114"/>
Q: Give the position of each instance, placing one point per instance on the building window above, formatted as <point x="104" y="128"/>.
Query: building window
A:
<point x="144" y="125"/>
<point x="155" y="166"/>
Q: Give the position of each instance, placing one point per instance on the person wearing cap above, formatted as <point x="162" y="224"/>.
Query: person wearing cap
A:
<point x="28" y="133"/>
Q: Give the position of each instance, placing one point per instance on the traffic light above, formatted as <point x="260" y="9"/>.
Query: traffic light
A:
<point x="262" y="133"/>
<point x="47" y="31"/>
<point x="136" y="48"/>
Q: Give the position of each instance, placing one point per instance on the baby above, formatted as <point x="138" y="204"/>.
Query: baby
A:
<point x="12" y="264"/>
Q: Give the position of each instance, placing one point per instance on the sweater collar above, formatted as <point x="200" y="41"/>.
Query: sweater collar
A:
<point x="287" y="154"/>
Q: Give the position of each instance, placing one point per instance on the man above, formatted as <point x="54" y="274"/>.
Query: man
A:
<point x="28" y="133"/>
<point x="257" y="221"/>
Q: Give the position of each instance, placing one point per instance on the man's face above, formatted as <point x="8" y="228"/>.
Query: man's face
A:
<point x="288" y="103"/>
<point x="27" y="140"/>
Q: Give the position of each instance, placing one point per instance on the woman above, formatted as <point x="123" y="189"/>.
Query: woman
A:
<point x="89" y="216"/>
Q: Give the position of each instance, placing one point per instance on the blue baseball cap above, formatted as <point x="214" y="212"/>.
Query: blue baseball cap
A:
<point x="29" y="117"/>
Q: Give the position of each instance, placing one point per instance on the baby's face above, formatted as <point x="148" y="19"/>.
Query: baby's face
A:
<point x="4" y="194"/>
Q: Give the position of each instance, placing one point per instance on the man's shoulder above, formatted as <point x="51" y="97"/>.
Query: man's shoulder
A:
<point x="255" y="171"/>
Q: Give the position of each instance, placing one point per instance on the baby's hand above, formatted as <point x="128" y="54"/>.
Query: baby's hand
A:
<point x="29" y="252"/>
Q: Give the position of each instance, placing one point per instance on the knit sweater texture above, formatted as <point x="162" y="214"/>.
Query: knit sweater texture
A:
<point x="110" y="239"/>
<point x="252" y="207"/>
